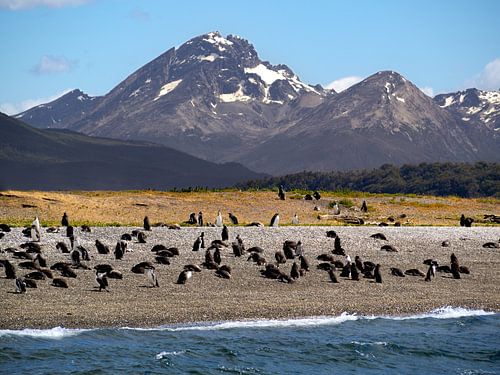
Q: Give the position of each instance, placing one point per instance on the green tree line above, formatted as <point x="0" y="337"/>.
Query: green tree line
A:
<point x="440" y="179"/>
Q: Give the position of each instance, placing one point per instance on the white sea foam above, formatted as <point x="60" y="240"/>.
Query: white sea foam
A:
<point x="52" y="333"/>
<point x="164" y="354"/>
<point x="446" y="312"/>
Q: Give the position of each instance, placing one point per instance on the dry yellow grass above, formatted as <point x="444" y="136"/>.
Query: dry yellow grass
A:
<point x="130" y="207"/>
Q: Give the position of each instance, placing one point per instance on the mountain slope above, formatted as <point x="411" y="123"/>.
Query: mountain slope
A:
<point x="59" y="159"/>
<point x="383" y="119"/>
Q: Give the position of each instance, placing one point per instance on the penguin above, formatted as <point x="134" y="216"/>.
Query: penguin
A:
<point x="298" y="249"/>
<point x="233" y="218"/>
<point x="38" y="229"/>
<point x="69" y="231"/>
<point x="66" y="271"/>
<point x="462" y="220"/>
<point x="20" y="285"/>
<point x="294" y="273"/>
<point x="102" y="280"/>
<point x="304" y="264"/>
<point x="222" y="273"/>
<point x="430" y="272"/>
<point x="346" y="270"/>
<point x="118" y="251"/>
<point x="153" y="279"/>
<point x="40" y="261"/>
<point x="308" y="197"/>
<point x="34" y="234"/>
<point x="86" y="228"/>
<point x="331" y="234"/>
<point x="65" y="220"/>
<point x="103" y="268"/>
<point x="141" y="267"/>
<point x="75" y="257"/>
<point x="192" y="268"/>
<point x="197" y="244"/>
<point x="336" y="209"/>
<point x="389" y="248"/>
<point x="333" y="277"/>
<point x="337" y="247"/>
<point x="217" y="256"/>
<point x="378" y="275"/>
<point x="281" y="193"/>
<point x="354" y="272"/>
<point x="295" y="219"/>
<point x="184" y="276"/>
<point x="60" y="283"/>
<point x="317" y="195"/>
<point x="101" y="248"/>
<point x="218" y="219"/>
<point x="275" y="220"/>
<point x="62" y="247"/>
<point x="225" y="233"/>
<point x="114" y="274"/>
<point x="364" y="207"/>
<point x="379" y="236"/>
<point x="30" y="283"/>
<point x="126" y="237"/>
<point x="147" y="225"/>
<point x="192" y="219"/>
<point x="141" y="237"/>
<point x="200" y="219"/>
<point x="359" y="264"/>
<point x="280" y="258"/>
<point x="397" y="272"/>
<point x="237" y="250"/>
<point x="289" y="251"/>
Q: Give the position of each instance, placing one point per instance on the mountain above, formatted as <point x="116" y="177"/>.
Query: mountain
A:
<point x="211" y="97"/>
<point x="473" y="105"/>
<point x="383" y="119"/>
<point x="214" y="98"/>
<point x="67" y="109"/>
<point x="60" y="159"/>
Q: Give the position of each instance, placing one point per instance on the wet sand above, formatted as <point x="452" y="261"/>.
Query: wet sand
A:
<point x="247" y="295"/>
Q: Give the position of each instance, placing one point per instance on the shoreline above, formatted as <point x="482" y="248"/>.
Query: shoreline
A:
<point x="247" y="295"/>
<point x="437" y="313"/>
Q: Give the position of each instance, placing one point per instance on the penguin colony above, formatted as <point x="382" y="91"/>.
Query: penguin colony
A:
<point x="27" y="265"/>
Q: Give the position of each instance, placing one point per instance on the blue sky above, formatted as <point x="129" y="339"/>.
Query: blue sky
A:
<point x="51" y="46"/>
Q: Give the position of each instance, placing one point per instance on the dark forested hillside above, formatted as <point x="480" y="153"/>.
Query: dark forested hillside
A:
<point x="460" y="179"/>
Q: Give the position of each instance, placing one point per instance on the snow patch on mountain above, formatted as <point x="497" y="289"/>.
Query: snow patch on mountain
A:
<point x="169" y="87"/>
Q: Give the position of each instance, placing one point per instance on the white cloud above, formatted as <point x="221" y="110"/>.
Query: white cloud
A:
<point x="15" y="108"/>
<point x="343" y="83"/>
<point x="53" y="64"/>
<point x="27" y="4"/>
<point x="488" y="79"/>
<point x="429" y="91"/>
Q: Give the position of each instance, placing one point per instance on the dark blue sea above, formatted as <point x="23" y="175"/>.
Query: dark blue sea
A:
<point x="444" y="341"/>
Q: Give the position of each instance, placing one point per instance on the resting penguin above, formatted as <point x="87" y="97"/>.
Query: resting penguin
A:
<point x="280" y="257"/>
<point x="62" y="247"/>
<point x="101" y="248"/>
<point x="275" y="220"/>
<point x="60" y="283"/>
<point x="233" y="218"/>
<point x="141" y="237"/>
<point x="317" y="195"/>
<point x="184" y="276"/>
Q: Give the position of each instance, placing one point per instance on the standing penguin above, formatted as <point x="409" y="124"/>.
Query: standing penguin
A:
<point x="200" y="219"/>
<point x="295" y="274"/>
<point x="197" y="243"/>
<point x="217" y="256"/>
<point x="184" y="276"/>
<point x="102" y="280"/>
<point x="65" y="220"/>
<point x="354" y="272"/>
<point x="378" y="275"/>
<point x="118" y="251"/>
<point x="20" y="285"/>
<point x="364" y="207"/>
<point x="295" y="219"/>
<point x="147" y="225"/>
<point x="225" y="233"/>
<point x="275" y="220"/>
<point x="336" y="209"/>
<point x="153" y="279"/>
<point x="281" y="193"/>
<point x="218" y="220"/>
<point x="317" y="195"/>
<point x="332" y="275"/>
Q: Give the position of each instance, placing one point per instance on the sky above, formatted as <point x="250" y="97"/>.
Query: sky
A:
<point x="52" y="46"/>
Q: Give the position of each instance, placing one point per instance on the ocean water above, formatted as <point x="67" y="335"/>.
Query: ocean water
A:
<point x="444" y="341"/>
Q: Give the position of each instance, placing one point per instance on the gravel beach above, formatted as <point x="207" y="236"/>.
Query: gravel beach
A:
<point x="248" y="295"/>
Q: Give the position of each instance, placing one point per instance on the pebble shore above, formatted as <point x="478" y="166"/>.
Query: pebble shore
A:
<point x="247" y="295"/>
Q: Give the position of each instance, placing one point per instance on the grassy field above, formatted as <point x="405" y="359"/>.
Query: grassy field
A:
<point x="128" y="208"/>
